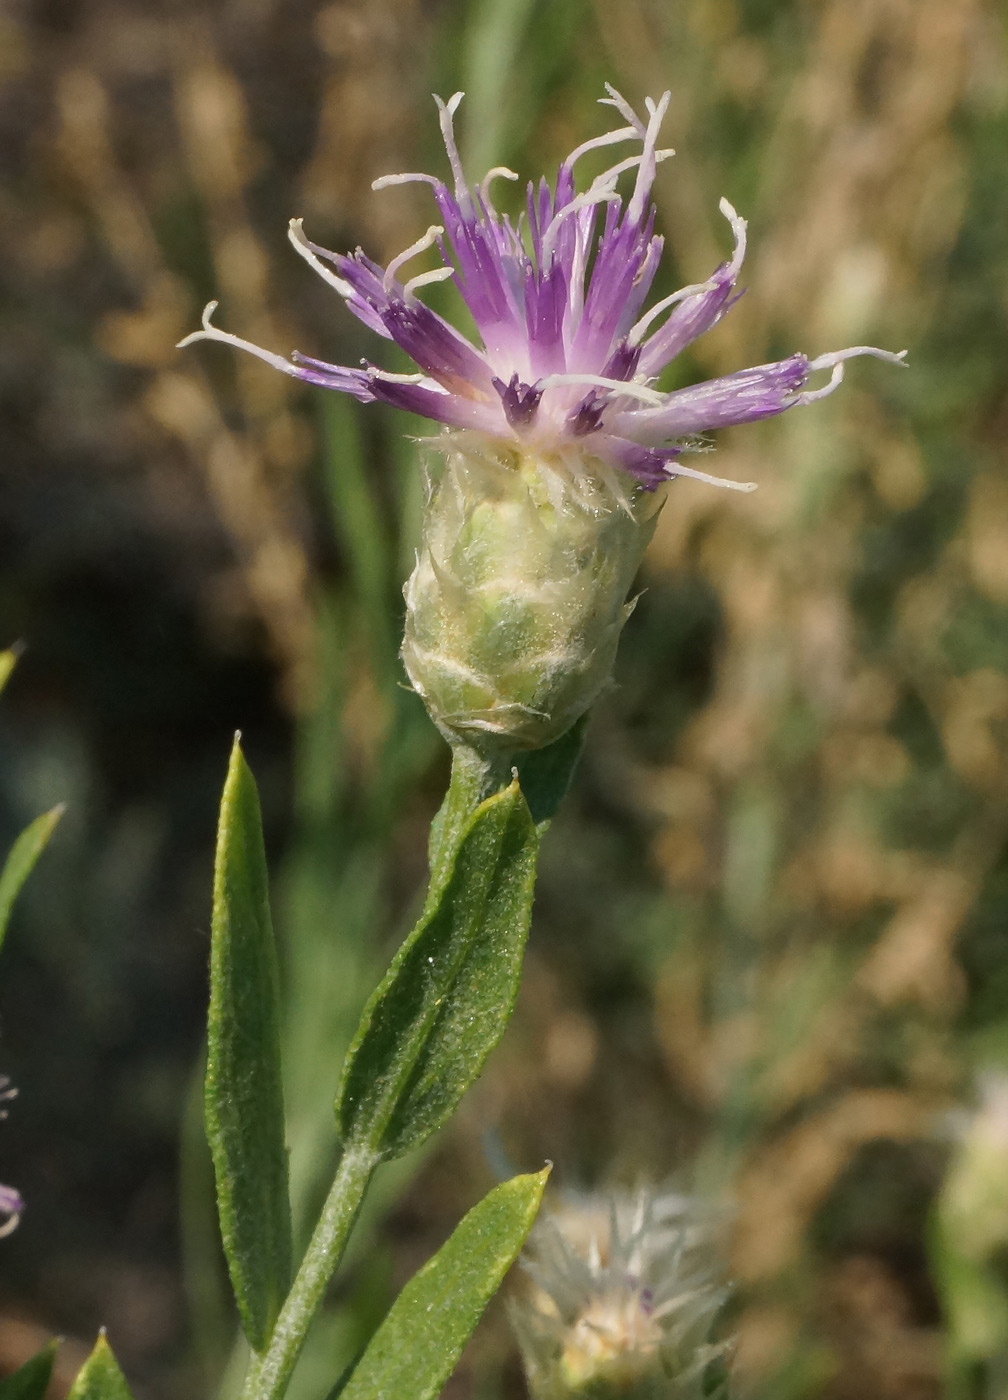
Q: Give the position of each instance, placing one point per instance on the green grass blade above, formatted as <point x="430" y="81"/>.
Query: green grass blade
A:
<point x="418" y="1345"/>
<point x="361" y="531"/>
<point x="495" y="32"/>
<point x="100" y="1377"/>
<point x="30" y="1381"/>
<point x="243" y="1101"/>
<point x="449" y="992"/>
<point x="19" y="864"/>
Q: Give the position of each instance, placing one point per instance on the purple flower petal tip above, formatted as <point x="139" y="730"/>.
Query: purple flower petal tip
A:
<point x="567" y="356"/>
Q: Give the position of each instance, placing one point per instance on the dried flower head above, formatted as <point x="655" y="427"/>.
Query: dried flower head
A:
<point x="626" y="1291"/>
<point x="568" y="358"/>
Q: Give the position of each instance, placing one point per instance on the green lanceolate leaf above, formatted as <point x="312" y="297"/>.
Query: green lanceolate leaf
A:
<point x="449" y="992"/>
<point x="100" y="1377"/>
<point x="18" y="866"/>
<point x="415" y="1349"/>
<point x="243" y="1101"/>
<point x="31" y="1381"/>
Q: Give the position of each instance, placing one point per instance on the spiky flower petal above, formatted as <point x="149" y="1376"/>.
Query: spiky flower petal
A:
<point x="567" y="357"/>
<point x="553" y="429"/>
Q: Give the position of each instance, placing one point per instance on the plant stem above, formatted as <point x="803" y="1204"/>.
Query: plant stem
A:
<point x="475" y="776"/>
<point x="269" y="1374"/>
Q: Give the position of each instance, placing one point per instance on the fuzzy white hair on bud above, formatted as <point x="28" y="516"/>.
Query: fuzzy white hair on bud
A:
<point x="519" y="595"/>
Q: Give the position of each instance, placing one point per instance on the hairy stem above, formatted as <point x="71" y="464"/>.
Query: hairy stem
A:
<point x="474" y="777"/>
<point x="270" y="1372"/>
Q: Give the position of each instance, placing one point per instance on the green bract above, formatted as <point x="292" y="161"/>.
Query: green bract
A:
<point x="519" y="595"/>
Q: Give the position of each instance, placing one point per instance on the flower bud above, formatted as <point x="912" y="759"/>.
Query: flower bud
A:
<point x="519" y="594"/>
<point x="625" y="1295"/>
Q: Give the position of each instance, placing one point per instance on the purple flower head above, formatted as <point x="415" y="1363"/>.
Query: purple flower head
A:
<point x="568" y="357"/>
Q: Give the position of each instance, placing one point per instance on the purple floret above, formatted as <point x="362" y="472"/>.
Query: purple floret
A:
<point x="567" y="359"/>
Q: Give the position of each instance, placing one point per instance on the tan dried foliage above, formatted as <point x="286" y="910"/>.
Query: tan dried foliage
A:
<point x="247" y="441"/>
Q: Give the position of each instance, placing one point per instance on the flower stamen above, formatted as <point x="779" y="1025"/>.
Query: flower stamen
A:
<point x="649" y="160"/>
<point x="628" y="387"/>
<point x="297" y="236"/>
<point x="617" y="100"/>
<point x="447" y="112"/>
<point x="580" y="201"/>
<point x="835" y="360"/>
<point x="608" y="138"/>
<point x="210" y="332"/>
<point x="637" y="331"/>
<point x="407" y="177"/>
<point x="429" y="240"/>
<point x="498" y="172"/>
<point x="426" y="279"/>
<point x="677" y="469"/>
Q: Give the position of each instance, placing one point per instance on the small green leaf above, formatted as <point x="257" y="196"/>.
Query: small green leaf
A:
<point x="18" y="866"/>
<point x="243" y="1102"/>
<point x="450" y="990"/>
<point x="100" y="1377"/>
<point x="30" y="1381"/>
<point x="416" y="1348"/>
<point x="545" y="774"/>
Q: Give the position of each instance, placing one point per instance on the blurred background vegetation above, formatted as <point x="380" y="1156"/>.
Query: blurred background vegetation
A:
<point x="770" y="955"/>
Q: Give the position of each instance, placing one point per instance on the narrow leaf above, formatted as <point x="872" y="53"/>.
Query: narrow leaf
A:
<point x="100" y="1377"/>
<point x="243" y="1102"/>
<point x="30" y="1381"/>
<point x="18" y="866"/>
<point x="418" y="1345"/>
<point x="450" y="990"/>
<point x="545" y="774"/>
